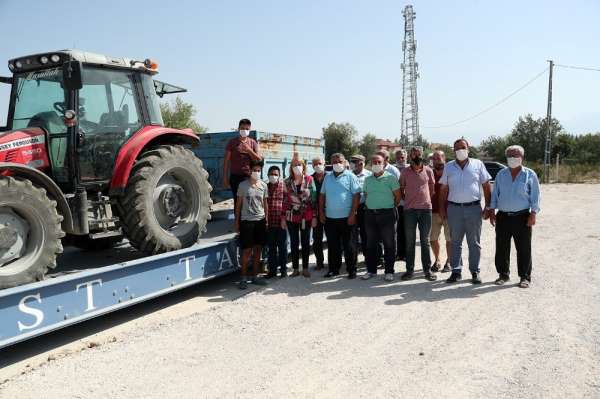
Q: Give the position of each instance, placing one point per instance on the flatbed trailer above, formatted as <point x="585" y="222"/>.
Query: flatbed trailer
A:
<point x="111" y="280"/>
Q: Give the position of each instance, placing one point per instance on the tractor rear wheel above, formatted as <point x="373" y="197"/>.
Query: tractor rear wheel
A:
<point x="167" y="202"/>
<point x="30" y="232"/>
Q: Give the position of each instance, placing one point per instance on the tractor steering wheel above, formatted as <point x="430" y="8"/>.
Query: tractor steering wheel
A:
<point x="60" y="107"/>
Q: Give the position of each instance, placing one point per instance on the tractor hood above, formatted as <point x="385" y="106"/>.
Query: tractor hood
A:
<point x="24" y="146"/>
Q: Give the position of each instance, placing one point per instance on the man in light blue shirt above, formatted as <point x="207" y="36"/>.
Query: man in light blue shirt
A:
<point x="461" y="185"/>
<point x="338" y="204"/>
<point x="516" y="196"/>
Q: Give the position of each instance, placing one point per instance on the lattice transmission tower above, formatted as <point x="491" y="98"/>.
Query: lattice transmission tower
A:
<point x="410" y="73"/>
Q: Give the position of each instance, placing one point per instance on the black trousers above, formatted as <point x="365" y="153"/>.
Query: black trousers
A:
<point x="299" y="237"/>
<point x="341" y="238"/>
<point x="234" y="183"/>
<point x="362" y="230"/>
<point x="381" y="227"/>
<point x="318" y="243"/>
<point x="514" y="227"/>
<point x="400" y="236"/>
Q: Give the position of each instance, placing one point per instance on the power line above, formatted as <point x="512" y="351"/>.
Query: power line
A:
<point x="492" y="106"/>
<point x="578" y="67"/>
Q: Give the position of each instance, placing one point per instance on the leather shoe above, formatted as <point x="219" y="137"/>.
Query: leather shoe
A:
<point x="475" y="279"/>
<point x="454" y="277"/>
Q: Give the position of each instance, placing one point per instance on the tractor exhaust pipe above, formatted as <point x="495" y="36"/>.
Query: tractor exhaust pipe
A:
<point x="80" y="208"/>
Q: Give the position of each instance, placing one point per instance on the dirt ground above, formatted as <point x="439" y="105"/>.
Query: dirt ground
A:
<point x="340" y="338"/>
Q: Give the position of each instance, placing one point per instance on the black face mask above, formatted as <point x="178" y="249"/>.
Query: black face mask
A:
<point x="417" y="160"/>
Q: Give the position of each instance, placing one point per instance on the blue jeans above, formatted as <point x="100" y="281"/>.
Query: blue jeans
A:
<point x="465" y="221"/>
<point x="412" y="219"/>
<point x="277" y="243"/>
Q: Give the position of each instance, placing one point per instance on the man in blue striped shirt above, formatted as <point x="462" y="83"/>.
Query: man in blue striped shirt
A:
<point x="516" y="196"/>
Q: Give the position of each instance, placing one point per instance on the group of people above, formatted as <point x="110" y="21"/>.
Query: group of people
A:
<point x="378" y="211"/>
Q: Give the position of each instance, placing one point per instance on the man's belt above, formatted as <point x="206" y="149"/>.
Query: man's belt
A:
<point x="379" y="211"/>
<point x="478" y="202"/>
<point x="517" y="213"/>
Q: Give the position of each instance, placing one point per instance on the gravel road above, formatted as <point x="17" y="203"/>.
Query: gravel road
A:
<point x="341" y="338"/>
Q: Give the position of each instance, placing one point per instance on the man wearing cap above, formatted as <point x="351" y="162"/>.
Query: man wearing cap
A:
<point x="461" y="185"/>
<point x="401" y="164"/>
<point x="516" y="196"/>
<point x="357" y="166"/>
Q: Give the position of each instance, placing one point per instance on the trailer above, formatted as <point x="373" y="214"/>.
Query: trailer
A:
<point x="81" y="292"/>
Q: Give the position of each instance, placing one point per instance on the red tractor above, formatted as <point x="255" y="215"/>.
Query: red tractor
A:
<point x="85" y="159"/>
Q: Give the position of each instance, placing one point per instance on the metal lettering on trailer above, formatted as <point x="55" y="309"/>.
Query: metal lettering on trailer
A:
<point x="38" y="308"/>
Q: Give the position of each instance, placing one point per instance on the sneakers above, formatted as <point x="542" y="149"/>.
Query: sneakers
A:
<point x="389" y="277"/>
<point x="367" y="276"/>
<point x="475" y="279"/>
<point x="407" y="276"/>
<point x="454" y="277"/>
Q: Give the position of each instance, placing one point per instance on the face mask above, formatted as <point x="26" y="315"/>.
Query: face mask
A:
<point x="255" y="175"/>
<point x="514" y="162"/>
<point x="244" y="133"/>
<point x="338" y="167"/>
<point x="461" y="155"/>
<point x="319" y="168"/>
<point x="377" y="168"/>
<point x="297" y="169"/>
<point x="273" y="179"/>
<point x="438" y="166"/>
<point x="417" y="160"/>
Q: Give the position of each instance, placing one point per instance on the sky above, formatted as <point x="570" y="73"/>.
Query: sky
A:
<point x="295" y="66"/>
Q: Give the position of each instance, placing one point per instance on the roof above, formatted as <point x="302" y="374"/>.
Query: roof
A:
<point x="32" y="61"/>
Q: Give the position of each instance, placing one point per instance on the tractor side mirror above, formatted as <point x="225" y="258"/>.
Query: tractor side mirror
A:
<point x="72" y="75"/>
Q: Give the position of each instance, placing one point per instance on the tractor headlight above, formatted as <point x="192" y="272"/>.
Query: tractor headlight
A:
<point x="19" y="64"/>
<point x="43" y="60"/>
<point x="11" y="66"/>
<point x="55" y="58"/>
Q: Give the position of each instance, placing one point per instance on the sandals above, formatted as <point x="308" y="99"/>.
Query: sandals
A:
<point x="524" y="283"/>
<point x="306" y="273"/>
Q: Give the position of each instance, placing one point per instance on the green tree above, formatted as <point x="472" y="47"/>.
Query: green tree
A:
<point x="180" y="115"/>
<point x="339" y="137"/>
<point x="368" y="145"/>
<point x="494" y="147"/>
<point x="531" y="133"/>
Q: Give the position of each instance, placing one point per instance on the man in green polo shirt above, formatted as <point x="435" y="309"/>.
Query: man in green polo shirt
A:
<point x="382" y="191"/>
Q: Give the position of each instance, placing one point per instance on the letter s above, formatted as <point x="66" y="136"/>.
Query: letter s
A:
<point x="38" y="314"/>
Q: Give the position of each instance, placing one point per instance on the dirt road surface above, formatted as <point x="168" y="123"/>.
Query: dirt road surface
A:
<point x="339" y="338"/>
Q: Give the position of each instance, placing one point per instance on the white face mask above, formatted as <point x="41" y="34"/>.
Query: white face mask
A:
<point x="319" y="168"/>
<point x="514" y="162"/>
<point x="244" y="133"/>
<point x="297" y="169"/>
<point x="255" y="175"/>
<point x="377" y="168"/>
<point x="273" y="179"/>
<point x="461" y="155"/>
<point x="338" y="167"/>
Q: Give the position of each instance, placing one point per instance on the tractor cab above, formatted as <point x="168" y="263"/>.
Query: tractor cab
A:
<point x="88" y="106"/>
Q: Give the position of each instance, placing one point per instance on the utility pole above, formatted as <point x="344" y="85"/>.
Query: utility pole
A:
<point x="410" y="110"/>
<point x="547" y="154"/>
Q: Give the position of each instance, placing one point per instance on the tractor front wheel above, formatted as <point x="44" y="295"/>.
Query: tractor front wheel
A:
<point x="167" y="201"/>
<point x="30" y="232"/>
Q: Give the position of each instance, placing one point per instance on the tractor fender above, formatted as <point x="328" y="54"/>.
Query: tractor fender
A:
<point x="42" y="180"/>
<point x="147" y="137"/>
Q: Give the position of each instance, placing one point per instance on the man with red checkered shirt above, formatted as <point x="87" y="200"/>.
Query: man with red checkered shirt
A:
<point x="276" y="236"/>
